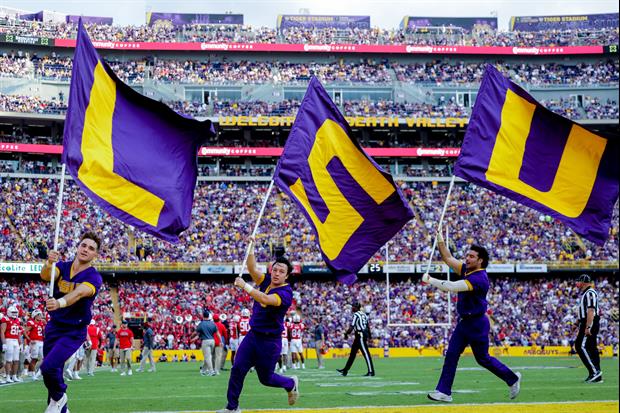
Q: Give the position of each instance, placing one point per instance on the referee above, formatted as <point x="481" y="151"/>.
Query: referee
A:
<point x="585" y="344"/>
<point x="362" y="334"/>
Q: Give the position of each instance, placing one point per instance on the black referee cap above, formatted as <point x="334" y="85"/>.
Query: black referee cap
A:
<point x="584" y="278"/>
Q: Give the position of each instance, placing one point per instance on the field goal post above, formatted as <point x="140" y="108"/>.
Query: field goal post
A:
<point x="445" y="326"/>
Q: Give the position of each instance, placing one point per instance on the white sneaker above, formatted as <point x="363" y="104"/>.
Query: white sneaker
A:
<point x="139" y="370"/>
<point x="56" y="406"/>
<point x="76" y="375"/>
<point x="439" y="397"/>
<point x="9" y="379"/>
<point x="151" y="370"/>
<point x="17" y="379"/>
<point x="37" y="375"/>
<point x="2" y="379"/>
<point x="130" y="373"/>
<point x="303" y="366"/>
<point x="515" y="388"/>
<point x="228" y="411"/>
<point x="123" y="374"/>
<point x="293" y="395"/>
<point x="69" y="374"/>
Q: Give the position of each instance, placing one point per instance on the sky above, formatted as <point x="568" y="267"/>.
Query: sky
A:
<point x="385" y="14"/>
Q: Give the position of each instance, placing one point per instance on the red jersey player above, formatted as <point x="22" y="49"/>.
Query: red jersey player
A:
<point x="35" y="328"/>
<point x="297" y="329"/>
<point x="11" y="336"/>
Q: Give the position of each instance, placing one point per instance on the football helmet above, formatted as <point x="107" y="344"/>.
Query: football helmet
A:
<point x="245" y="312"/>
<point x="12" y="312"/>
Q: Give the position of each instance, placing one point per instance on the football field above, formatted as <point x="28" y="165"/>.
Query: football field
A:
<point x="550" y="385"/>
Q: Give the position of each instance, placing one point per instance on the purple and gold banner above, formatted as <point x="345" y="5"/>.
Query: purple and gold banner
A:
<point x="518" y="148"/>
<point x="90" y="19"/>
<point x="179" y="19"/>
<point x="352" y="205"/>
<point x="133" y="156"/>
<point x="582" y="21"/>
<point x="467" y="23"/>
<point x="287" y="21"/>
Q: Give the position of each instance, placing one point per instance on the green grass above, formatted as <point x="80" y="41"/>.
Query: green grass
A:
<point x="180" y="387"/>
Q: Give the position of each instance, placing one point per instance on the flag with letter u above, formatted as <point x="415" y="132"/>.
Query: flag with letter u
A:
<point x="352" y="205"/>
<point x="518" y="148"/>
<point x="135" y="157"/>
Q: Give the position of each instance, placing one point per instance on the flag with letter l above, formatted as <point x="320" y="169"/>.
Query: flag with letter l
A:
<point x="135" y="157"/>
<point x="518" y="148"/>
<point x="352" y="205"/>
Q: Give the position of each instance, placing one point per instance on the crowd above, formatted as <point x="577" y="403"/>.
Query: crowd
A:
<point x="479" y="36"/>
<point x="523" y="312"/>
<point x="223" y="212"/>
<point x="365" y="71"/>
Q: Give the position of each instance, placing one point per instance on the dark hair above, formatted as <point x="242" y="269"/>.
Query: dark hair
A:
<point x="356" y="304"/>
<point x="92" y="236"/>
<point x="285" y="261"/>
<point x="482" y="254"/>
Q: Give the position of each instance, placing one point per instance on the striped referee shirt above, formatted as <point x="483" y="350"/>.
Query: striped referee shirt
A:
<point x="360" y="322"/>
<point x="589" y="299"/>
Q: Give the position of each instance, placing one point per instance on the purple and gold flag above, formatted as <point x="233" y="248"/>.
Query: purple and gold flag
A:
<point x="135" y="157"/>
<point x="352" y="205"/>
<point x="518" y="148"/>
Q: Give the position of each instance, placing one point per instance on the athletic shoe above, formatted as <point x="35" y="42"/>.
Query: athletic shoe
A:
<point x="303" y="366"/>
<point x="123" y="374"/>
<point x="69" y="374"/>
<point x="321" y="367"/>
<point x="369" y="374"/>
<point x="587" y="379"/>
<point x="130" y="373"/>
<point x="342" y="372"/>
<point x="293" y="395"/>
<point x="76" y="376"/>
<point x="151" y="370"/>
<point x="439" y="397"/>
<point x="139" y="370"/>
<point x="57" y="406"/>
<point x="9" y="379"/>
<point x="17" y="379"/>
<point x="596" y="377"/>
<point x="228" y="411"/>
<point x="2" y="380"/>
<point x="516" y="387"/>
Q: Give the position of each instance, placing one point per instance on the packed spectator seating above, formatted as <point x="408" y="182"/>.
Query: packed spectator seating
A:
<point x="298" y="35"/>
<point x="436" y="72"/>
<point x="524" y="312"/>
<point x="223" y="212"/>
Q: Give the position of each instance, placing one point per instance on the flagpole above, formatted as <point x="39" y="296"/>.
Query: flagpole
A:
<point x="443" y="213"/>
<point x="387" y="280"/>
<point x="57" y="230"/>
<point x="260" y="215"/>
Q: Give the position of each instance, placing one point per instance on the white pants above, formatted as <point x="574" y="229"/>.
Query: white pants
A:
<point x="234" y="344"/>
<point x="91" y="360"/>
<point x="147" y="353"/>
<point x="11" y="350"/>
<point x="36" y="350"/>
<point x="296" y="346"/>
<point x="284" y="347"/>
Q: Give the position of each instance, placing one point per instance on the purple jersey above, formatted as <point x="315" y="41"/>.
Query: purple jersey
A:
<point x="78" y="314"/>
<point x="473" y="302"/>
<point x="269" y="319"/>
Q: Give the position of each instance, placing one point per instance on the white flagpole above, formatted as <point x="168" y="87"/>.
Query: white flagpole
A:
<point x="449" y="295"/>
<point x="387" y="280"/>
<point x="443" y="213"/>
<point x="57" y="230"/>
<point x="260" y="215"/>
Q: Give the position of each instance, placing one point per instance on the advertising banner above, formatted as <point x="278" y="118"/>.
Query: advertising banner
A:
<point x="433" y="269"/>
<point x="179" y="19"/>
<point x="581" y="21"/>
<point x="216" y="269"/>
<point x="226" y="151"/>
<point x="538" y="268"/>
<point x="260" y="267"/>
<point x="500" y="268"/>
<point x="339" y="48"/>
<point x="467" y="23"/>
<point x="399" y="268"/>
<point x="26" y="40"/>
<point x="286" y="21"/>
<point x="20" y="268"/>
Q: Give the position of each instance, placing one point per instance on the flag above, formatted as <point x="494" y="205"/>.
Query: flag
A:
<point x="352" y="205"/>
<point x="518" y="148"/>
<point x="135" y="157"/>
